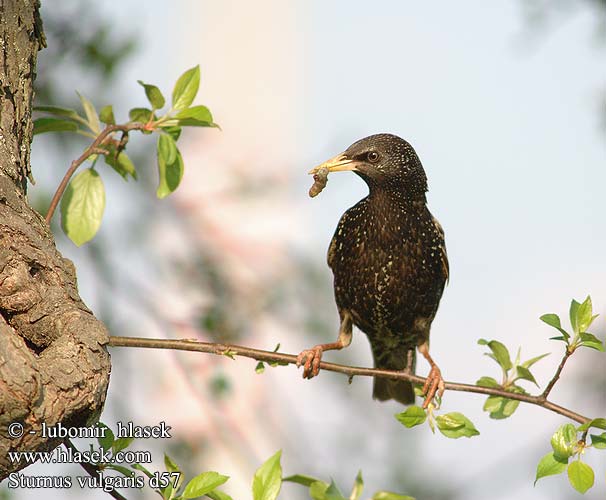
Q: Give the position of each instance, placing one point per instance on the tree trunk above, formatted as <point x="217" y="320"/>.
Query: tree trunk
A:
<point x="54" y="367"/>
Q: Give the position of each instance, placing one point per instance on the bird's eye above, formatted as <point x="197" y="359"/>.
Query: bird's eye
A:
<point x="372" y="156"/>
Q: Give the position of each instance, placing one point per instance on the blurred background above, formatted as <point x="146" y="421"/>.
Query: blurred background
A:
<point x="505" y="103"/>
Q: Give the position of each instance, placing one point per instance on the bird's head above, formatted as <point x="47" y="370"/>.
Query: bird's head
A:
<point x="386" y="162"/>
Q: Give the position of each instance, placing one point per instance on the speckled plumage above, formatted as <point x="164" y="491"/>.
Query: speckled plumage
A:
<point x="389" y="258"/>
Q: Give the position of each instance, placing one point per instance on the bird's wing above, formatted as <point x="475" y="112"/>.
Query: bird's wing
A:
<point x="443" y="254"/>
<point x="332" y="248"/>
<point x="330" y="257"/>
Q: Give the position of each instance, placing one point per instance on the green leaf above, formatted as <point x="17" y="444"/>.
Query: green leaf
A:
<point x="173" y="131"/>
<point x="358" y="487"/>
<point x="418" y="390"/>
<point x="167" y="148"/>
<point x="154" y="96"/>
<point x="413" y="415"/>
<point x="141" y="115"/>
<point x="455" y="425"/>
<point x="598" y="441"/>
<point x="42" y="125"/>
<point x="590" y="340"/>
<point x="574" y="310"/>
<point x="218" y="495"/>
<point x="268" y="479"/>
<point x="170" y="464"/>
<point x="599" y="423"/>
<point x="106" y="442"/>
<point x="82" y="206"/>
<point x="500" y="353"/>
<point x="432" y="425"/>
<point x="564" y="441"/>
<point x="172" y="122"/>
<point x="500" y="408"/>
<point x="551" y="319"/>
<point x="317" y="490"/>
<point x="532" y="361"/>
<point x="302" y="479"/>
<point x="192" y="122"/>
<point x="333" y="492"/>
<point x="142" y="469"/>
<point x="72" y="114"/>
<point x="229" y="353"/>
<point x="106" y="115"/>
<point x="554" y="320"/>
<point x="168" y="492"/>
<point x="273" y="364"/>
<point x="92" y="119"/>
<point x="584" y="315"/>
<point x="516" y="389"/>
<point x="388" y="495"/>
<point x="524" y="374"/>
<point x="122" y="164"/>
<point x="121" y="443"/>
<point x="202" y="484"/>
<point x="121" y="469"/>
<point x="186" y="88"/>
<point x="550" y="465"/>
<point x="493" y="403"/>
<point x="260" y="368"/>
<point x="488" y="382"/>
<point x="200" y="113"/>
<point x="170" y="173"/>
<point x="580" y="475"/>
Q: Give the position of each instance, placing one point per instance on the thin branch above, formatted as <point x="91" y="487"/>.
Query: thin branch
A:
<point x="584" y="437"/>
<point x="350" y="371"/>
<point x="555" y="378"/>
<point x="91" y="469"/>
<point x="99" y="151"/>
<point x="92" y="149"/>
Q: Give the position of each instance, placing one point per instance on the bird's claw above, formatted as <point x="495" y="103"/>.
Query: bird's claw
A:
<point x="310" y="359"/>
<point x="434" y="384"/>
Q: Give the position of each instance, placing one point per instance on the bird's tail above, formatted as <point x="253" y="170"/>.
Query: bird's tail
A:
<point x="392" y="359"/>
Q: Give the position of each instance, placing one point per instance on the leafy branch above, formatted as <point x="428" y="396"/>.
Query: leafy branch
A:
<point x="266" y="483"/>
<point x="581" y="318"/>
<point x="83" y="197"/>
<point x="92" y="469"/>
<point x="503" y="398"/>
<point x="569" y="442"/>
<point x="231" y="351"/>
<point x="95" y="148"/>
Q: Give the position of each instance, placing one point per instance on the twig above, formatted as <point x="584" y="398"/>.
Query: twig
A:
<point x="92" y="469"/>
<point x="557" y="375"/>
<point x="584" y="437"/>
<point x="92" y="149"/>
<point x="351" y="371"/>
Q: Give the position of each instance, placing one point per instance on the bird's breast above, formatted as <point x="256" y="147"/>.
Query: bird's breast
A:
<point x="386" y="272"/>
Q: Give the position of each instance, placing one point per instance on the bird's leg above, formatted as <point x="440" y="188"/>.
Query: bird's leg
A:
<point x="434" y="383"/>
<point x="311" y="358"/>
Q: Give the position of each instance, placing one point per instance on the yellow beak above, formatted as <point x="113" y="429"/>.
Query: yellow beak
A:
<point x="337" y="164"/>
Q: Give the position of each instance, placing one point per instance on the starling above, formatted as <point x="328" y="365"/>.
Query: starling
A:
<point x="389" y="262"/>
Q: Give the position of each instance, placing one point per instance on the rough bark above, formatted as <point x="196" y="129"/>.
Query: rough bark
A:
<point x="53" y="363"/>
